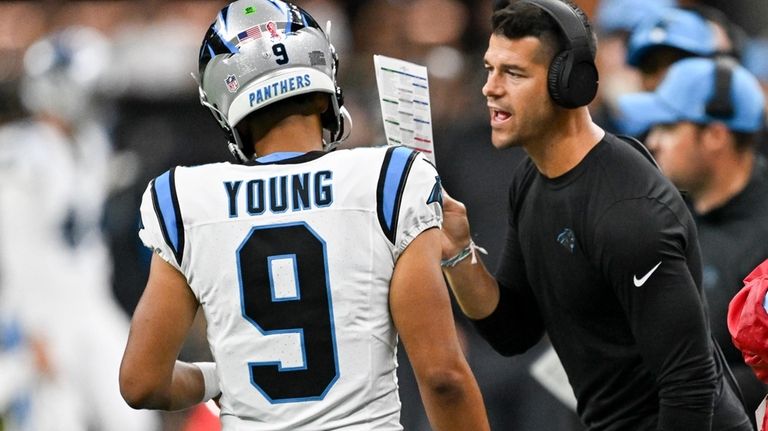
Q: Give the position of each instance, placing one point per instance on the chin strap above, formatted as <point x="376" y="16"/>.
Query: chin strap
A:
<point x="341" y="135"/>
<point x="234" y="143"/>
<point x="343" y="132"/>
<point x="237" y="153"/>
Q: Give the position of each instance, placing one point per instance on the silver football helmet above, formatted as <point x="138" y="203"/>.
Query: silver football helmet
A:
<point x="64" y="72"/>
<point x="257" y="52"/>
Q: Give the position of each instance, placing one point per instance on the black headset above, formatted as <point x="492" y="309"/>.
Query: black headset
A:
<point x="720" y="104"/>
<point x="572" y="77"/>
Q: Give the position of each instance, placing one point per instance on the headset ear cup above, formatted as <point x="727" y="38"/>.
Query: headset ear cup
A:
<point x="571" y="85"/>
<point x="583" y="81"/>
<point x="554" y="78"/>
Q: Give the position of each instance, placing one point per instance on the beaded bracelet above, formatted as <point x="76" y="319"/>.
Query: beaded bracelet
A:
<point x="468" y="250"/>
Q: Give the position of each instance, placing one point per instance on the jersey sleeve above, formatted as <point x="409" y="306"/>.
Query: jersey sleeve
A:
<point x="161" y="229"/>
<point x="649" y="254"/>
<point x="409" y="197"/>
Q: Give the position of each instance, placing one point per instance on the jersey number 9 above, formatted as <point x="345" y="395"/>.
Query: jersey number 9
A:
<point x="285" y="290"/>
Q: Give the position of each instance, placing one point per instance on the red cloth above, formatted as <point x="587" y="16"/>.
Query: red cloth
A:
<point x="748" y="325"/>
<point x="748" y="321"/>
<point x="201" y="419"/>
<point x="764" y="426"/>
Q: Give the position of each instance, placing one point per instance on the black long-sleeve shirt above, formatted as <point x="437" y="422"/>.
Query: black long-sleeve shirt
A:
<point x="605" y="259"/>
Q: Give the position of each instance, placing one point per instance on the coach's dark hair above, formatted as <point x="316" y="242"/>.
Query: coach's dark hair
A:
<point x="518" y="19"/>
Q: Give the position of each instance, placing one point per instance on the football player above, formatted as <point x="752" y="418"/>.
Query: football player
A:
<point x="55" y="284"/>
<point x="308" y="264"/>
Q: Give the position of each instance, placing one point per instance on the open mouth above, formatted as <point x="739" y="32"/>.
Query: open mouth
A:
<point x="498" y="116"/>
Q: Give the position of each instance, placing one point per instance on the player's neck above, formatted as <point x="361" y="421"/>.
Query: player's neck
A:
<point x="565" y="144"/>
<point x="295" y="133"/>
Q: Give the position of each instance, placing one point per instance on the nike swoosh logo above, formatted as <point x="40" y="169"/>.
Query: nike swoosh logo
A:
<point x="641" y="281"/>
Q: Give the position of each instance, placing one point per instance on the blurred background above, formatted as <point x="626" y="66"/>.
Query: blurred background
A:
<point x="146" y="103"/>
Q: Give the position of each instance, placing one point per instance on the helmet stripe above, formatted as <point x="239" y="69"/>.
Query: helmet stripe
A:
<point x="223" y="15"/>
<point x="278" y="4"/>
<point x="223" y="38"/>
<point x="295" y="19"/>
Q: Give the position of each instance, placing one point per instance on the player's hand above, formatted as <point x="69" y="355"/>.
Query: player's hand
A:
<point x="455" y="226"/>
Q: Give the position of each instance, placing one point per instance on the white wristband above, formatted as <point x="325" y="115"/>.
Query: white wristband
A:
<point x="210" y="379"/>
<point x="470" y="249"/>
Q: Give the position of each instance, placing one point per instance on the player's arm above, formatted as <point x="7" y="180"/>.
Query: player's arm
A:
<point x="421" y="311"/>
<point x="150" y="375"/>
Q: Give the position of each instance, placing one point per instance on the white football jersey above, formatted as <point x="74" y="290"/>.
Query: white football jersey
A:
<point x="55" y="281"/>
<point x="291" y="259"/>
<point x="52" y="192"/>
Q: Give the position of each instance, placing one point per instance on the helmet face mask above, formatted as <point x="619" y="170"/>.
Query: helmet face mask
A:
<point x="257" y="52"/>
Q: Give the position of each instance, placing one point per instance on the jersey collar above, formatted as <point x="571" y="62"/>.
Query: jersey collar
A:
<point x="286" y="157"/>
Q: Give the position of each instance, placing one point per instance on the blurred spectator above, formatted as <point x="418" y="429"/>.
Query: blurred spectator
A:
<point x="705" y="120"/>
<point x="755" y="59"/>
<point x="55" y="286"/>
<point x="613" y="15"/>
<point x="730" y="39"/>
<point x="662" y="39"/>
<point x="749" y="14"/>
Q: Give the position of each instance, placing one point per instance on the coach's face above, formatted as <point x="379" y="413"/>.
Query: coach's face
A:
<point x="516" y="90"/>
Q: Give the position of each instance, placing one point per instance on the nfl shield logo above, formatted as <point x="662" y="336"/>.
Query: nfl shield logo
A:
<point x="232" y="84"/>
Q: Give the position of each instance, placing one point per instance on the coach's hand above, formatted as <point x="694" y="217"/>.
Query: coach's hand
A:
<point x="455" y="226"/>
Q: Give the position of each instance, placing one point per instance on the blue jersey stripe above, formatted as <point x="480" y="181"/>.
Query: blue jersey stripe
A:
<point x="392" y="179"/>
<point x="394" y="172"/>
<point x="167" y="210"/>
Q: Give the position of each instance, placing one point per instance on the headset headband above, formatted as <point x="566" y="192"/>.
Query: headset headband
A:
<point x="567" y="19"/>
